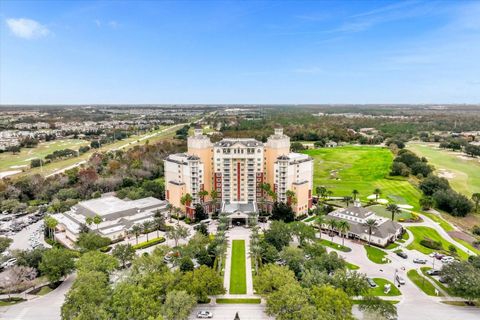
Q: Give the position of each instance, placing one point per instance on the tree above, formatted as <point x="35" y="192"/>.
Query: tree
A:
<point x="202" y="283"/>
<point x="17" y="276"/>
<point x="158" y="222"/>
<point x="186" y="199"/>
<point x="271" y="278"/>
<point x="294" y="258"/>
<point x="88" y="297"/>
<point x="476" y="199"/>
<point x="376" y="306"/>
<point x="377" y="192"/>
<point x="4" y="243"/>
<point x="51" y="223"/>
<point x="320" y="221"/>
<point x="291" y="302"/>
<point x="355" y="194"/>
<point x="370" y="224"/>
<point x="283" y="212"/>
<point x="426" y="202"/>
<point x="432" y="184"/>
<point x="394" y="209"/>
<point x="97" y="220"/>
<point x="96" y="261"/>
<point x="124" y="253"/>
<point x="200" y="213"/>
<point x="186" y="264"/>
<point x="331" y="303"/>
<point x="30" y="258"/>
<point x="176" y="233"/>
<point x="302" y="231"/>
<point x="178" y="305"/>
<point x="91" y="241"/>
<point x="147" y="227"/>
<point x="136" y="230"/>
<point x="202" y="194"/>
<point x="57" y="263"/>
<point x="343" y="227"/>
<point x="291" y="197"/>
<point x="278" y="235"/>
<point x="332" y="225"/>
<point x="214" y="196"/>
<point x="347" y="200"/>
<point x="463" y="279"/>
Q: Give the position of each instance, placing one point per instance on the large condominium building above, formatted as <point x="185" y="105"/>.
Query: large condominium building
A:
<point x="237" y="169"/>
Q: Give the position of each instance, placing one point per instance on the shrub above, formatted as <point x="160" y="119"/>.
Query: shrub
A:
<point x="148" y="243"/>
<point x="432" y="244"/>
<point x="476" y="230"/>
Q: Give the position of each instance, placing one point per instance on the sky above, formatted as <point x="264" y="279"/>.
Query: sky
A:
<point x="259" y="52"/>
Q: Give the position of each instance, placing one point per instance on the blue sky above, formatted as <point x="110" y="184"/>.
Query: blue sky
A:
<point x="77" y="52"/>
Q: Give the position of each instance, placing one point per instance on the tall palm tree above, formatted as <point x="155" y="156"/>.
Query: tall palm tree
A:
<point x="88" y="221"/>
<point x="476" y="199"/>
<point x="355" y="194"/>
<point x="202" y="194"/>
<point x="186" y="200"/>
<point x="136" y="230"/>
<point x="332" y="225"/>
<point x="97" y="220"/>
<point x="158" y="221"/>
<point x="370" y="224"/>
<point x="320" y="221"/>
<point x="394" y="209"/>
<point x="147" y="227"/>
<point x="51" y="223"/>
<point x="347" y="200"/>
<point x="169" y="208"/>
<point x="214" y="196"/>
<point x="291" y="198"/>
<point x="177" y="233"/>
<point x="321" y="192"/>
<point x="377" y="192"/>
<point x="343" y="227"/>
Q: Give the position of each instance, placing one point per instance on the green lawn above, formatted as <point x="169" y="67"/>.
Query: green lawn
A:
<point x="382" y="211"/>
<point x="378" y="291"/>
<point x="376" y="255"/>
<point x="351" y="266"/>
<point x="363" y="168"/>
<point x="438" y="283"/>
<point x="443" y="224"/>
<point x="238" y="281"/>
<point x="466" y="173"/>
<point x="422" y="283"/>
<point x="310" y="219"/>
<point x="392" y="245"/>
<point x="23" y="158"/>
<point x="44" y="290"/>
<point x="333" y="245"/>
<point x="420" y="233"/>
<point x="239" y="301"/>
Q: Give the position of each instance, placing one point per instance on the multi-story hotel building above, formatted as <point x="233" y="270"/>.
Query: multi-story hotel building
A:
<point x="237" y="169"/>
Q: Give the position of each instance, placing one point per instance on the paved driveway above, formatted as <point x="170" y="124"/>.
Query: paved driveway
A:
<point x="228" y="311"/>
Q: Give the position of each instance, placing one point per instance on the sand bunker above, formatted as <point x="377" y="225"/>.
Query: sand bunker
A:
<point x="444" y="173"/>
<point x="382" y="201"/>
<point x="8" y="173"/>
<point x="19" y="166"/>
<point x="405" y="206"/>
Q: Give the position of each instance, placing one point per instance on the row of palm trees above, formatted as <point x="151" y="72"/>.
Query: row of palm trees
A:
<point x="146" y="227"/>
<point x="255" y="248"/>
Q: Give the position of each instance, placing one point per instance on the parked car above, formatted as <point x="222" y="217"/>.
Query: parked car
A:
<point x="400" y="280"/>
<point x="204" y="314"/>
<point x="442" y="280"/>
<point x="439" y="256"/>
<point x="402" y="254"/>
<point x="9" y="263"/>
<point x="420" y="261"/>
<point x="433" y="272"/>
<point x="371" y="283"/>
<point x="447" y="259"/>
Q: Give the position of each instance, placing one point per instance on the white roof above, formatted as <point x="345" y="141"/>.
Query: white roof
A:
<point x="107" y="205"/>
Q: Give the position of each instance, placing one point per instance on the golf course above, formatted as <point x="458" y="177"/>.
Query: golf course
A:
<point x="462" y="172"/>
<point x="364" y="168"/>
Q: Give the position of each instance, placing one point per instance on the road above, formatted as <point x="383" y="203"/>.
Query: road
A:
<point x="228" y="311"/>
<point x="42" y="308"/>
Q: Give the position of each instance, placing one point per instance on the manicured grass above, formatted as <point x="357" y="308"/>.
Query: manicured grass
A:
<point x="8" y="302"/>
<point x="422" y="283"/>
<point x="466" y="173"/>
<point x="238" y="280"/>
<point x="378" y="291"/>
<point x="444" y="224"/>
<point x="334" y="245"/>
<point x="351" y="266"/>
<point x="363" y="168"/>
<point x="44" y="290"/>
<point x="467" y="245"/>
<point x="420" y="233"/>
<point x="376" y="255"/>
<point x="310" y="219"/>
<point x="438" y="283"/>
<point x="239" y="301"/>
<point x="392" y="245"/>
<point x="382" y="211"/>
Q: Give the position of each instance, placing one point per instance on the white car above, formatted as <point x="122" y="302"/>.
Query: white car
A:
<point x="448" y="259"/>
<point x="204" y="314"/>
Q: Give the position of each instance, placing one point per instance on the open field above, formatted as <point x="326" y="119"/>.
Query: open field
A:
<point x="363" y="168"/>
<point x="238" y="280"/>
<point x="152" y="137"/>
<point x="421" y="233"/>
<point x="462" y="172"/>
<point x="21" y="160"/>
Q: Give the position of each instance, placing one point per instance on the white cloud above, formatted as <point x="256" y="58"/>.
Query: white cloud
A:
<point x="27" y="28"/>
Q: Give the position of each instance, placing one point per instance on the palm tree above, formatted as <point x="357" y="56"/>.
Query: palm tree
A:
<point x="347" y="200"/>
<point x="426" y="202"/>
<point x="343" y="227"/>
<point x="332" y="225"/>
<point x="51" y="223"/>
<point x="136" y="230"/>
<point x="214" y="196"/>
<point x="146" y="227"/>
<point x="291" y="198"/>
<point x="89" y="221"/>
<point x="177" y="233"/>
<point x="320" y="221"/>
<point x="186" y="200"/>
<point x="476" y="199"/>
<point x="202" y="194"/>
<point x="394" y="209"/>
<point x="170" y="208"/>
<point x="355" y="194"/>
<point x="370" y="224"/>
<point x="97" y="220"/>
<point x="158" y="221"/>
<point x="377" y="192"/>
<point x="321" y="192"/>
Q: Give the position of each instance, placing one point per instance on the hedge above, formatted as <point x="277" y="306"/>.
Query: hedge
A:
<point x="149" y="243"/>
<point x="432" y="244"/>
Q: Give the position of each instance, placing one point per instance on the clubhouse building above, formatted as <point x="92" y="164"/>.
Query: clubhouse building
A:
<point x="384" y="232"/>
<point x="236" y="169"/>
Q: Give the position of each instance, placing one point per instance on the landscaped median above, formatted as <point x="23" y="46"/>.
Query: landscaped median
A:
<point x="334" y="245"/>
<point x="378" y="290"/>
<point x="239" y="301"/>
<point x="430" y="234"/>
<point x="149" y="243"/>
<point x="376" y="255"/>
<point x="422" y="283"/>
<point x="438" y="283"/>
<point x="238" y="281"/>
